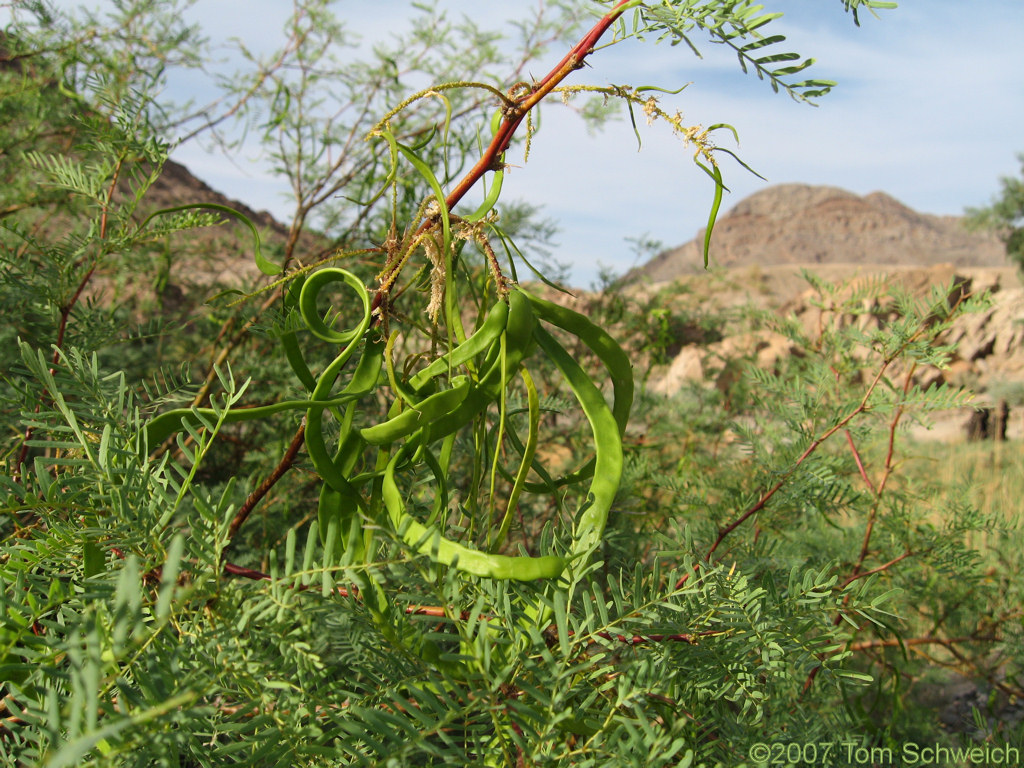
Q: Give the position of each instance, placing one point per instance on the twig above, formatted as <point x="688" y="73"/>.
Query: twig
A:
<point x="514" y="116"/>
<point x="860" y="463"/>
<point x="263" y="489"/>
<point x="857" y="574"/>
<point x="886" y="474"/>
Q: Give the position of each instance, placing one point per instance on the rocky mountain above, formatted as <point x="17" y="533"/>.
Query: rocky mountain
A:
<point x="803" y="224"/>
<point x="764" y="244"/>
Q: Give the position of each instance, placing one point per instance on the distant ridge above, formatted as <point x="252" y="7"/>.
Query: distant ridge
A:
<point x="177" y="185"/>
<point x="804" y="224"/>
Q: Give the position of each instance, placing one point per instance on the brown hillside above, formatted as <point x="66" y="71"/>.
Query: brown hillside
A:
<point x="178" y="186"/>
<point x="204" y="260"/>
<point x="218" y="255"/>
<point x="803" y="224"/>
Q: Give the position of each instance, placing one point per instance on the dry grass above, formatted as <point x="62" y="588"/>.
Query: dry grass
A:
<point x="987" y="475"/>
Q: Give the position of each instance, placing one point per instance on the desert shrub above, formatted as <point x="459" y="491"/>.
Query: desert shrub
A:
<point x="1004" y="216"/>
<point x="311" y="525"/>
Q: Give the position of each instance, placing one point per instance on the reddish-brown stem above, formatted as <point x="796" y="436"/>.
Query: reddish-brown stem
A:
<point x="860" y="464"/>
<point x="248" y="573"/>
<point x="858" y="574"/>
<point x="572" y="61"/>
<point x="869" y="528"/>
<point x="514" y="116"/>
<point x="886" y="474"/>
<point x="865" y="548"/>
<point x="263" y="489"/>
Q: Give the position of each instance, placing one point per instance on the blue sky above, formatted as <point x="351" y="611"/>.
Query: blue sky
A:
<point x="929" y="108"/>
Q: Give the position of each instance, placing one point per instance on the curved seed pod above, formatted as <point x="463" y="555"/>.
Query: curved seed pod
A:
<point x="307" y="305"/>
<point x="591" y="517"/>
<point x="335" y="470"/>
<point x="343" y="508"/>
<point x="364" y="379"/>
<point x="289" y="340"/>
<point x="418" y="416"/>
<point x="429" y="541"/>
<point x="166" y="424"/>
<point x="518" y="344"/>
<point x="439" y="405"/>
<point x="615" y="361"/>
<point x="611" y="355"/>
<point x="478" y="343"/>
<point x="449" y="410"/>
<point x="593" y="514"/>
<point x="265" y="266"/>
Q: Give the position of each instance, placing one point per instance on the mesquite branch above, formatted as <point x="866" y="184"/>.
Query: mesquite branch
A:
<point x="514" y="114"/>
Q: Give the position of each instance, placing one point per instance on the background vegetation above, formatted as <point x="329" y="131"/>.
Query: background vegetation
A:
<point x="780" y="565"/>
<point x="1005" y="215"/>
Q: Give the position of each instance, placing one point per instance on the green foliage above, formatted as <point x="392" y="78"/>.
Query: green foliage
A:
<point x="809" y="458"/>
<point x="1005" y="216"/>
<point x="315" y="525"/>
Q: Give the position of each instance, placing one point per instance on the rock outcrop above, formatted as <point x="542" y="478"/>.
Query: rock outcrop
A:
<point x="803" y="224"/>
<point x="988" y="345"/>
